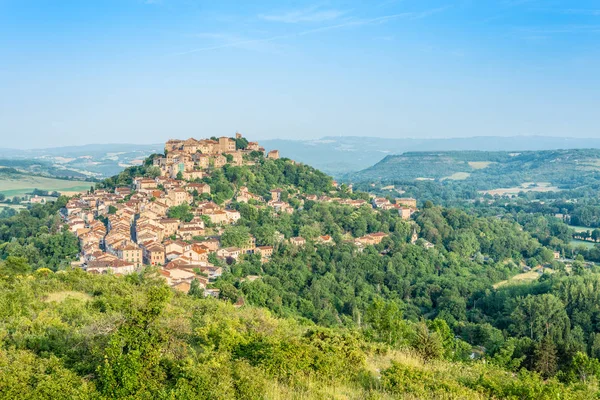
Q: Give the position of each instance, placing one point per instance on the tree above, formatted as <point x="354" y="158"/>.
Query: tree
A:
<point x="15" y="266"/>
<point x="195" y="289"/>
<point x="465" y="244"/>
<point x="265" y="235"/>
<point x="582" y="368"/>
<point x="384" y="322"/>
<point x="540" y="316"/>
<point x="545" y="358"/>
<point x="241" y="143"/>
<point x="235" y="236"/>
<point x="428" y="344"/>
<point x="181" y="212"/>
<point x="310" y="232"/>
<point x="152" y="172"/>
<point x="506" y="358"/>
<point x="130" y="366"/>
<point x="228" y="292"/>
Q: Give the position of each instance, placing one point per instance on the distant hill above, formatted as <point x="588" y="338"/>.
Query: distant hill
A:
<point x="94" y="160"/>
<point x="335" y="155"/>
<point x="76" y="151"/>
<point x="563" y="169"/>
<point x="340" y="155"/>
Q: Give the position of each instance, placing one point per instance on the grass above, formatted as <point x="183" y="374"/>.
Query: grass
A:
<point x="581" y="228"/>
<point x="586" y="244"/>
<point x="19" y="185"/>
<point x="457" y="176"/>
<point x="13" y="206"/>
<point x="525" y="277"/>
<point x="59" y="297"/>
<point x="479" y="164"/>
<point x="542" y="187"/>
<point x="307" y="388"/>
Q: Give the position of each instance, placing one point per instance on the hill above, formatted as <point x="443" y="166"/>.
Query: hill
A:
<point x="217" y="269"/>
<point x="338" y="155"/>
<point x="74" y="335"/>
<point x="16" y="183"/>
<point x="94" y="160"/>
<point x="335" y="155"/>
<point x="529" y="170"/>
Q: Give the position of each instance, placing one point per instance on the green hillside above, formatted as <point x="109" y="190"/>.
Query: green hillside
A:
<point x="559" y="169"/>
<point x="15" y="183"/>
<point x="71" y="335"/>
<point x="437" y="309"/>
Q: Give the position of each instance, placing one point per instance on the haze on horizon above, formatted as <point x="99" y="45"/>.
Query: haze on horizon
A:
<point x="140" y="71"/>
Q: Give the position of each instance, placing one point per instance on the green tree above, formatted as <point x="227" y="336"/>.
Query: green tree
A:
<point x="428" y="344"/>
<point x="384" y="323"/>
<point x="241" y="143"/>
<point x="540" y="316"/>
<point x="545" y="357"/>
<point x="131" y="364"/>
<point x="235" y="236"/>
<point x="181" y="212"/>
<point x="15" y="266"/>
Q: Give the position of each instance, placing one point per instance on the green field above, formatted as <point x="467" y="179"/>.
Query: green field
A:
<point x="457" y="176"/>
<point x="576" y="242"/>
<point x="581" y="228"/>
<point x="19" y="185"/>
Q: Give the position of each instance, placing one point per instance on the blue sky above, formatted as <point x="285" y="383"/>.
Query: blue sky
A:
<point x="135" y="71"/>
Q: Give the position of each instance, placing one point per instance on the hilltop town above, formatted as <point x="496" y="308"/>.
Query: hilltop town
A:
<point x="168" y="217"/>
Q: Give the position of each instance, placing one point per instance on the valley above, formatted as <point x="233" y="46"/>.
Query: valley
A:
<point x="227" y="260"/>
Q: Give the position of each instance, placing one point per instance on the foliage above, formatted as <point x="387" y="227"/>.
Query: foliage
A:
<point x="235" y="236"/>
<point x="38" y="236"/>
<point x="181" y="212"/>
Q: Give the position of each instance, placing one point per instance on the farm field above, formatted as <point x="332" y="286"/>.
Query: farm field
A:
<point x="587" y="244"/>
<point x="19" y="185"/>
<point x="581" y="228"/>
<point x="529" y="276"/>
<point x="541" y="187"/>
<point x="525" y="277"/>
<point x="457" y="176"/>
<point x="479" y="164"/>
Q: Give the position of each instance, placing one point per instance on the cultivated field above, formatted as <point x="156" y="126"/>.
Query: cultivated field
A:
<point x="526" y="187"/>
<point x="19" y="185"/>
<point x="479" y="164"/>
<point x="581" y="228"/>
<point x="584" y="243"/>
<point x="520" y="278"/>
<point x="458" y="176"/>
<point x="525" y="277"/>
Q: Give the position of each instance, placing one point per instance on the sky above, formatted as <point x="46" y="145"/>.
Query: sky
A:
<point x="142" y="71"/>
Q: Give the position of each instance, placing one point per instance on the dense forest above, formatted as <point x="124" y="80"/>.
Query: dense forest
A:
<point x="434" y="310"/>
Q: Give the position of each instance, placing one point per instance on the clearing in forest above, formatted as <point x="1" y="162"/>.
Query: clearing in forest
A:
<point x="479" y="164"/>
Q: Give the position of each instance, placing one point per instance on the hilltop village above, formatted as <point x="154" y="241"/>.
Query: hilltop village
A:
<point x="169" y="220"/>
